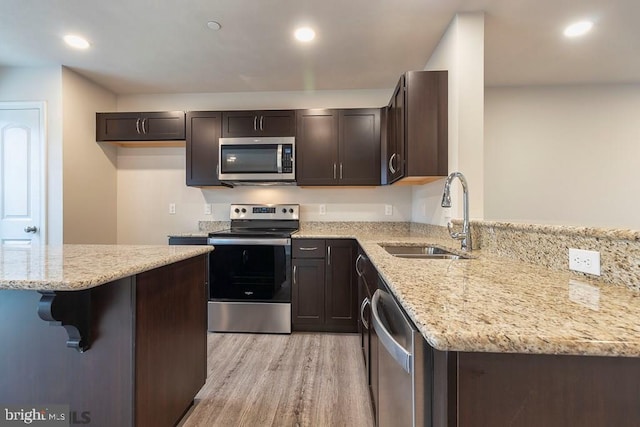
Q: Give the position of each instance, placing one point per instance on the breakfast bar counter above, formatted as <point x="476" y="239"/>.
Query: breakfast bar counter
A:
<point x="115" y="333"/>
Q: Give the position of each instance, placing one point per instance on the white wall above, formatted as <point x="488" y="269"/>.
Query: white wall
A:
<point x="563" y="155"/>
<point x="151" y="178"/>
<point x="89" y="177"/>
<point x="461" y="52"/>
<point x="42" y="84"/>
<point x="256" y="100"/>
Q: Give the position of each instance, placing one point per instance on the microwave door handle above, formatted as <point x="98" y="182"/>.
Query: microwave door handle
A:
<point x="279" y="158"/>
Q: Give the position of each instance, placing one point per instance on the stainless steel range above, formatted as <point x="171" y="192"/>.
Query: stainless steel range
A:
<point x="250" y="270"/>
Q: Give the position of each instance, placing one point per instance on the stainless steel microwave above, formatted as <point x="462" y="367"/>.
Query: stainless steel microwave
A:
<point x="266" y="159"/>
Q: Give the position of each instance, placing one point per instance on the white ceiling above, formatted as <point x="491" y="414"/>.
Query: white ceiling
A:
<point x="164" y="46"/>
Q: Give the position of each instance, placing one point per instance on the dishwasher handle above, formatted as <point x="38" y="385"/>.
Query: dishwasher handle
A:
<point x="399" y="353"/>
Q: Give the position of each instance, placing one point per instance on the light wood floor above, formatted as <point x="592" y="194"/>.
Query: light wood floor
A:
<point x="302" y="379"/>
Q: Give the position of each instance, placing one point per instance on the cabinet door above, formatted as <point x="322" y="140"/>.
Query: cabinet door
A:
<point x="317" y="147"/>
<point x="277" y="123"/>
<point x="258" y="123"/>
<point x="341" y="295"/>
<point x="395" y="151"/>
<point x="359" y="147"/>
<point x="308" y="294"/>
<point x="153" y="126"/>
<point x="203" y="131"/>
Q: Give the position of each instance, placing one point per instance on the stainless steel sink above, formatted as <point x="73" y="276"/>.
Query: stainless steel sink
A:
<point x="421" y="252"/>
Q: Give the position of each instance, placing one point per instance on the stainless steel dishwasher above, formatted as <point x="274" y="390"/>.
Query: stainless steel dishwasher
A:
<point x="405" y="365"/>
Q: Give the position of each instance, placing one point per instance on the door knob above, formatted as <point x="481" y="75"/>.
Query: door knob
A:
<point x="30" y="229"/>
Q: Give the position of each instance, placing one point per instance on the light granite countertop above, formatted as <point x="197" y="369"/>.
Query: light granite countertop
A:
<point x="495" y="304"/>
<point x="77" y="267"/>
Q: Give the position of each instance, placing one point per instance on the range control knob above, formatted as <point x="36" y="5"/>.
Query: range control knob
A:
<point x="290" y="210"/>
<point x="244" y="210"/>
<point x="236" y="210"/>
<point x="284" y="210"/>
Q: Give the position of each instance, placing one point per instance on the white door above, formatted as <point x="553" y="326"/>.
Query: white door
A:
<point x="22" y="154"/>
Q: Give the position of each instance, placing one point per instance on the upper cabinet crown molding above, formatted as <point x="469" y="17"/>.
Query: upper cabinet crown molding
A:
<point x="416" y="149"/>
<point x="138" y="127"/>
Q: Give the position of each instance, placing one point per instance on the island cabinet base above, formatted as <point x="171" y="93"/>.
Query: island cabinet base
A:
<point x="147" y="355"/>
<point x="491" y="389"/>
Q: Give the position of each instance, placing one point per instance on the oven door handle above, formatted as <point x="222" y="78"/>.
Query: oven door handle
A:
<point x="222" y="241"/>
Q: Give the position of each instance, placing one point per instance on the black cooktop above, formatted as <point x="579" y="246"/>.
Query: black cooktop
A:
<point x="254" y="232"/>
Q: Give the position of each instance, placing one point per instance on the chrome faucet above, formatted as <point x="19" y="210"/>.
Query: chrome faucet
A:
<point x="465" y="235"/>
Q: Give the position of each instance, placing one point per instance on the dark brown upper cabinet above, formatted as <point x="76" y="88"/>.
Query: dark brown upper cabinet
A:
<point x="152" y="126"/>
<point x="338" y="147"/>
<point x="258" y="123"/>
<point x="317" y="147"/>
<point x="203" y="131"/>
<point x="416" y="149"/>
<point x="359" y="147"/>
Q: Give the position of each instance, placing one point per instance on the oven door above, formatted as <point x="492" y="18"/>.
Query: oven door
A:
<point x="250" y="270"/>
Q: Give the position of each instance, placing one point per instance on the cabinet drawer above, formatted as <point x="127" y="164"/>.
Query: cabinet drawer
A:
<point x="308" y="248"/>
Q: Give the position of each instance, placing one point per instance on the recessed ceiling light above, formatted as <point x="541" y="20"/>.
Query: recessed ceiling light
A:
<point x="578" y="29"/>
<point x="76" y="42"/>
<point x="214" y="25"/>
<point x="304" y="34"/>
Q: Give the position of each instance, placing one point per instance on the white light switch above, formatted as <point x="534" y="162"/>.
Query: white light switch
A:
<point x="207" y="208"/>
<point x="172" y="208"/>
<point x="323" y="209"/>
<point x="388" y="209"/>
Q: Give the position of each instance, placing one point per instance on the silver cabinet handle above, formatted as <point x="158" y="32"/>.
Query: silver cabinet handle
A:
<point x="138" y="125"/>
<point x="295" y="269"/>
<point x="309" y="249"/>
<point x="143" y="128"/>
<point x="391" y="168"/>
<point x="328" y="255"/>
<point x="357" y="264"/>
<point x="255" y="122"/>
<point x="30" y="229"/>
<point x="334" y="171"/>
<point x="362" y="307"/>
<point x="393" y="347"/>
<point x="340" y="170"/>
<point x="261" y="122"/>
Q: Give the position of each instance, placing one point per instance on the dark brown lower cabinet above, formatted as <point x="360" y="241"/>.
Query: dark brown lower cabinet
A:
<point x="324" y="295"/>
<point x="147" y="354"/>
<point x="532" y="390"/>
<point x="367" y="283"/>
<point x="307" y="305"/>
<point x="171" y="341"/>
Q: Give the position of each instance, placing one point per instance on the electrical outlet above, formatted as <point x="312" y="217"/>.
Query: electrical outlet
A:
<point x="207" y="208"/>
<point x="388" y="209"/>
<point x="172" y="208"/>
<point x="323" y="209"/>
<point x="584" y="261"/>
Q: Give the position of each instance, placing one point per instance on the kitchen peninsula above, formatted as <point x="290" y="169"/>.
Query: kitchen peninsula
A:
<point x="116" y="332"/>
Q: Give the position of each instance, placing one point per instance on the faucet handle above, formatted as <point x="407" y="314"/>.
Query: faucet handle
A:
<point x="454" y="234"/>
